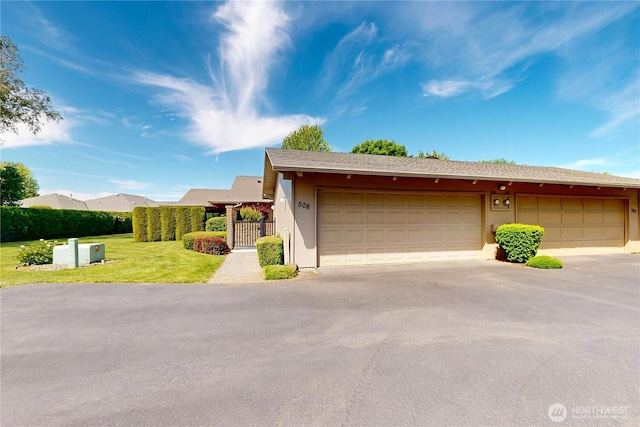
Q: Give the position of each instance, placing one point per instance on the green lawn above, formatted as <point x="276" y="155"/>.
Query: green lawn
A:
<point x="153" y="262"/>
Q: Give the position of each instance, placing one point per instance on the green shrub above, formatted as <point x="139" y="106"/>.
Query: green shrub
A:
<point x="168" y="223"/>
<point x="216" y="224"/>
<point x="250" y="214"/>
<point x="37" y="253"/>
<point x="188" y="239"/>
<point x="20" y="224"/>
<point x="211" y="245"/>
<point x="519" y="241"/>
<point x="183" y="221"/>
<point x="154" y="225"/>
<point x="270" y="250"/>
<point x="544" y="261"/>
<point x="280" y="272"/>
<point x="140" y="224"/>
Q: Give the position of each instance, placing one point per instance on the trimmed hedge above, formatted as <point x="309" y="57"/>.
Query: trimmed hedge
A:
<point x="544" y="261"/>
<point x="19" y="224"/>
<point x="189" y="238"/>
<point x="197" y="218"/>
<point x="211" y="245"/>
<point x="218" y="223"/>
<point x="270" y="250"/>
<point x="183" y="221"/>
<point x="154" y="225"/>
<point x="280" y="272"/>
<point x="140" y="224"/>
<point x="519" y="241"/>
<point x="168" y="223"/>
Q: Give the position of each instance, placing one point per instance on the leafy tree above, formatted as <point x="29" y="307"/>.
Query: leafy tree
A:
<point x="381" y="147"/>
<point x="11" y="187"/>
<point x="500" y="161"/>
<point x="308" y="138"/>
<point x="29" y="184"/>
<point x="250" y="214"/>
<point x="18" y="103"/>
<point x="434" y="154"/>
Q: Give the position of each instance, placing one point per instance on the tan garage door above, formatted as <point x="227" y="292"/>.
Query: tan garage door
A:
<point x="356" y="228"/>
<point x="574" y="222"/>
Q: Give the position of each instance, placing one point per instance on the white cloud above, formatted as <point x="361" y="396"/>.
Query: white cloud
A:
<point x="50" y="132"/>
<point x="228" y="114"/>
<point x="130" y="184"/>
<point x="587" y="163"/>
<point x="487" y="48"/>
<point x="359" y="58"/>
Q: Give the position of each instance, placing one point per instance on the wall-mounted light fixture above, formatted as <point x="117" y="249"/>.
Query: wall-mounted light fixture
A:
<point x="283" y="199"/>
<point x="496" y="202"/>
<point x="506" y="202"/>
<point x="502" y="187"/>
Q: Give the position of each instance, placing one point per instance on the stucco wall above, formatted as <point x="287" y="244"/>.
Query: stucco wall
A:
<point x="304" y="194"/>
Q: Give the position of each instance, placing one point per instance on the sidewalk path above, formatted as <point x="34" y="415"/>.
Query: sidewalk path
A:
<point x="240" y="266"/>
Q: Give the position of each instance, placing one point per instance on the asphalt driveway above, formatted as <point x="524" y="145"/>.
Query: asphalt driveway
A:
<point x="469" y="343"/>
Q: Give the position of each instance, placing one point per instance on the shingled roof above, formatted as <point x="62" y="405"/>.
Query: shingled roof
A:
<point x="245" y="189"/>
<point x="278" y="160"/>
<point x="119" y="203"/>
<point x="54" y="201"/>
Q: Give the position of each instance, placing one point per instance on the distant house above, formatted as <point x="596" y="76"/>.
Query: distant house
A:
<point x="119" y="203"/>
<point x="54" y="201"/>
<point x="245" y="190"/>
<point x="116" y="203"/>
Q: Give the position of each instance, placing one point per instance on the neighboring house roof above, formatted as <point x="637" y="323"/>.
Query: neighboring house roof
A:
<point x="54" y="201"/>
<point x="245" y="189"/>
<point x="278" y="160"/>
<point x="119" y="203"/>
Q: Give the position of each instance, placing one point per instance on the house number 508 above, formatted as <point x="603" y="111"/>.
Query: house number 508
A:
<point x="303" y="205"/>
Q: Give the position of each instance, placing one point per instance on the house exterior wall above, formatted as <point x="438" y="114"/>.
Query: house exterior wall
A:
<point x="299" y="213"/>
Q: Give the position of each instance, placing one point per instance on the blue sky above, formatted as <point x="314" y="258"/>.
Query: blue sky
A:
<point x="160" y="97"/>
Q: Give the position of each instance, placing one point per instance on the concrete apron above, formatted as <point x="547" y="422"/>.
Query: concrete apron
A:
<point x="240" y="266"/>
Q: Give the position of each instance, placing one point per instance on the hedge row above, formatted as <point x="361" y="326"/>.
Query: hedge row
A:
<point x="44" y="223"/>
<point x="189" y="238"/>
<point x="154" y="224"/>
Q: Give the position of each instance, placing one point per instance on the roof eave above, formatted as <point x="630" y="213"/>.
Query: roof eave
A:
<point x="277" y="169"/>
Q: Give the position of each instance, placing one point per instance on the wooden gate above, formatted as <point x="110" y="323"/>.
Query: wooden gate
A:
<point x="246" y="233"/>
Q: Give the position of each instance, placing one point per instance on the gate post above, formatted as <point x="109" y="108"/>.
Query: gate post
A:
<point x="231" y="215"/>
<point x="262" y="227"/>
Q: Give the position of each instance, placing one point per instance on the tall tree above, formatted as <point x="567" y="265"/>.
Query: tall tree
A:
<point x="381" y="147"/>
<point x="434" y="155"/>
<point x="308" y="138"/>
<point x="28" y="183"/>
<point x="18" y="103"/>
<point x="11" y="188"/>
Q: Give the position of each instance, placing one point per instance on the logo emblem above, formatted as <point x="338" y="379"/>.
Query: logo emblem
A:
<point x="557" y="412"/>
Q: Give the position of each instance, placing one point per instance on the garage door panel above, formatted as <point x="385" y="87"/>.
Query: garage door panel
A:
<point x="392" y="228"/>
<point x="329" y="198"/>
<point x="375" y="218"/>
<point x="353" y="237"/>
<point x="396" y="218"/>
<point x="575" y="222"/>
<point x="528" y="217"/>
<point x="573" y="218"/>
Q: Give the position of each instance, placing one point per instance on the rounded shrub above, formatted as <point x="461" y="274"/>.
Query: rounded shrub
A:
<point x="37" y="253"/>
<point x="270" y="250"/>
<point x="519" y="241"/>
<point x="280" y="272"/>
<point x="544" y="261"/>
<point x="188" y="239"/>
<point x="216" y="224"/>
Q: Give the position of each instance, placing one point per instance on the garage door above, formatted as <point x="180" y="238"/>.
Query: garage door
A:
<point x="574" y="222"/>
<point x="356" y="228"/>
